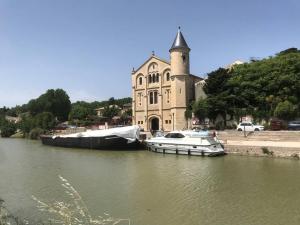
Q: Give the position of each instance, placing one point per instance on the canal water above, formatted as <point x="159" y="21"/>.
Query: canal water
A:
<point x="151" y="188"/>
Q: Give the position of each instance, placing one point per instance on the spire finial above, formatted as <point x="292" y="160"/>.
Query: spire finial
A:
<point x="153" y="53"/>
<point x="178" y="28"/>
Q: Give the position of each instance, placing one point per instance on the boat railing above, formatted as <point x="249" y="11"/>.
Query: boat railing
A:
<point x="179" y="144"/>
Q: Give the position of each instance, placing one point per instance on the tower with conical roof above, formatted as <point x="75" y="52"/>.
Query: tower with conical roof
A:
<point x="179" y="52"/>
<point x="180" y="79"/>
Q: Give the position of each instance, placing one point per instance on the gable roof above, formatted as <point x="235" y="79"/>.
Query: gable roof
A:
<point x="149" y="59"/>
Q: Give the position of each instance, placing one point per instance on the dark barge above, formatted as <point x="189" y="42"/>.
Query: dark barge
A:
<point x="124" y="138"/>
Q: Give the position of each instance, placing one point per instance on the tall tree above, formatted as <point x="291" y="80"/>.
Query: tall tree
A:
<point x="56" y="102"/>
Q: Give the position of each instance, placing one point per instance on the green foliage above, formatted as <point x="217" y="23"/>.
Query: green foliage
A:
<point x="285" y="110"/>
<point x="259" y="88"/>
<point x="289" y="50"/>
<point x="3" y="111"/>
<point x="17" y="110"/>
<point x="80" y="112"/>
<point x="55" y="101"/>
<point x="111" y="111"/>
<point x="188" y="114"/>
<point x="200" y="109"/>
<point x="26" y="124"/>
<point x="35" y="133"/>
<point x="44" y="120"/>
<point x="120" y="102"/>
<point x="266" y="151"/>
<point x="7" y="129"/>
<point x="219" y="95"/>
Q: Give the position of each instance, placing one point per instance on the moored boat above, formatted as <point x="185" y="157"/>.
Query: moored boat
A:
<point x="186" y="143"/>
<point x="121" y="138"/>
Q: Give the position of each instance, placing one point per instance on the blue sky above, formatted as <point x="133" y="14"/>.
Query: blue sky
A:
<point x="88" y="47"/>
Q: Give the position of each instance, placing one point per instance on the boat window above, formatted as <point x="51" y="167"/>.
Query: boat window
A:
<point x="174" y="135"/>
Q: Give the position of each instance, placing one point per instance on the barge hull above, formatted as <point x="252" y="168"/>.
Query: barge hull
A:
<point x="112" y="142"/>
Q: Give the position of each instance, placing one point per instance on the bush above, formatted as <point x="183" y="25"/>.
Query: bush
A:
<point x="266" y="126"/>
<point x="45" y="120"/>
<point x="285" y="110"/>
<point x="266" y="151"/>
<point x="35" y="133"/>
<point x="8" y="129"/>
<point x="231" y="127"/>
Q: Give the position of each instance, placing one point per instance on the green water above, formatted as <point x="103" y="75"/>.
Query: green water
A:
<point x="151" y="188"/>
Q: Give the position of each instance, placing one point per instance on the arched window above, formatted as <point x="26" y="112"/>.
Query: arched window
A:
<point x="168" y="76"/>
<point x="157" y="77"/>
<point x="150" y="79"/>
<point x="140" y="80"/>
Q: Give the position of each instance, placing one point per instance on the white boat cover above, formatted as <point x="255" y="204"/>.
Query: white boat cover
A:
<point x="131" y="133"/>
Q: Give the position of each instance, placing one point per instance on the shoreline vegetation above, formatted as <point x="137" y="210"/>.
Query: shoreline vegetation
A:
<point x="71" y="212"/>
<point x="54" y="111"/>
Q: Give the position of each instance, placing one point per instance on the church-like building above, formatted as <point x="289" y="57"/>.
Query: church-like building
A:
<point x="162" y="90"/>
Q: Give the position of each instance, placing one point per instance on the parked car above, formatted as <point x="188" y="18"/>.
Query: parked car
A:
<point x="249" y="127"/>
<point x="294" y="125"/>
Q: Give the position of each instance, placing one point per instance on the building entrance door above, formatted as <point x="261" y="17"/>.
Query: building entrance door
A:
<point x="154" y="124"/>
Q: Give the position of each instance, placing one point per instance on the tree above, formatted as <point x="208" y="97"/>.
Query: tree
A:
<point x="200" y="109"/>
<point x="285" y="110"/>
<point x="111" y="101"/>
<point x="55" y="101"/>
<point x="220" y="99"/>
<point x="26" y="124"/>
<point x="45" y="120"/>
<point x="7" y="129"/>
<point x="79" y="112"/>
<point x="110" y="111"/>
<point x="261" y="85"/>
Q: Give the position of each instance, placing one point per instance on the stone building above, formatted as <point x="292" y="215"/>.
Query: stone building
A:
<point x="162" y="90"/>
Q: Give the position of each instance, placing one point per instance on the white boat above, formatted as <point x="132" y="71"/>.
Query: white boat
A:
<point x="186" y="143"/>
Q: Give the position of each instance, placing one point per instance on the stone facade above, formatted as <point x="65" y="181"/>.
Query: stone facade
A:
<point x="162" y="90"/>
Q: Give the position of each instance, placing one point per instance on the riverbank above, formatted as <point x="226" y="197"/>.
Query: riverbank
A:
<point x="283" y="144"/>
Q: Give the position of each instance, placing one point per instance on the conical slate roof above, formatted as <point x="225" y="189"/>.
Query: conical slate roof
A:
<point x="179" y="41"/>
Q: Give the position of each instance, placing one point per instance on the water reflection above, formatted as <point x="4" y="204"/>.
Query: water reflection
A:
<point x="152" y="188"/>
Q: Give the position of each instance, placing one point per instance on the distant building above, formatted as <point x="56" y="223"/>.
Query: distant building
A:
<point x="13" y="119"/>
<point x="100" y="110"/>
<point x="199" y="92"/>
<point x="237" y="62"/>
<point x="126" y="107"/>
<point x="162" y="90"/>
